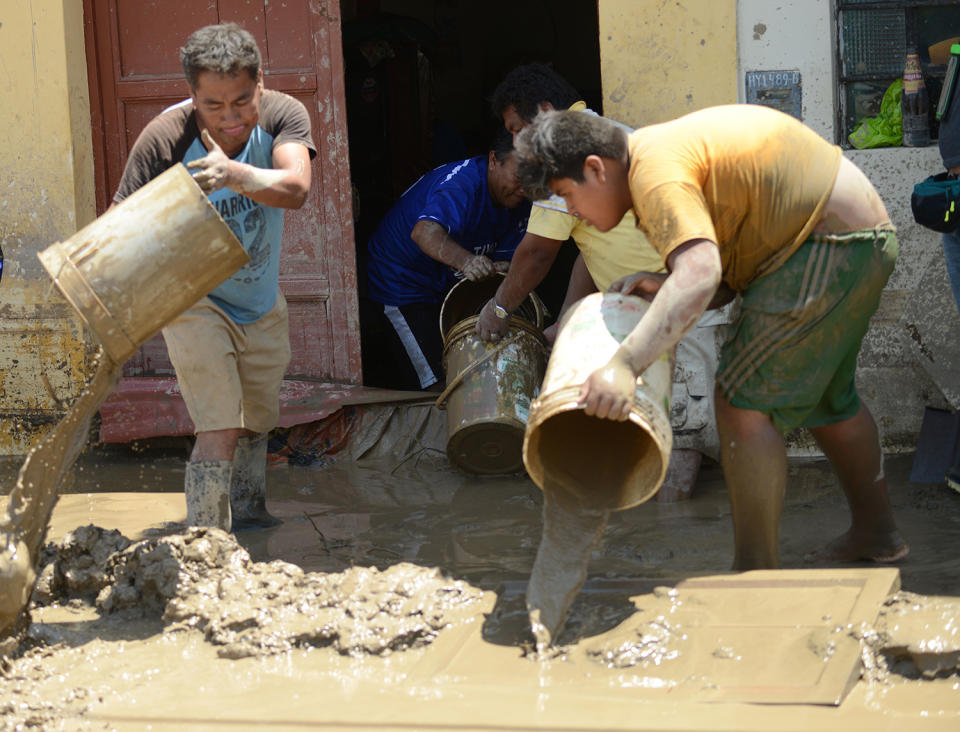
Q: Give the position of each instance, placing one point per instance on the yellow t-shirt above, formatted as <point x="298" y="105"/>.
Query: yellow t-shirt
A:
<point x="608" y="255"/>
<point x="750" y="178"/>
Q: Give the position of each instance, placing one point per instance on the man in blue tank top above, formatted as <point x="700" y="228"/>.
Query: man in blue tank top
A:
<point x="249" y="149"/>
<point x="463" y="219"/>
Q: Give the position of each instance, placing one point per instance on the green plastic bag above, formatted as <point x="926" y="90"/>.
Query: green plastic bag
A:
<point x="886" y="129"/>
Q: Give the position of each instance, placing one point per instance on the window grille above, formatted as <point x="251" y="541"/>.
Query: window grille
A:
<point x="872" y="41"/>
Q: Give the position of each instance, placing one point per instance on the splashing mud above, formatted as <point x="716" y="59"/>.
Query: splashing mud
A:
<point x="32" y="499"/>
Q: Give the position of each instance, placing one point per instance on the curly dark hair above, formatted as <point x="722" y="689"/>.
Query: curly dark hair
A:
<point x="527" y="86"/>
<point x="556" y="145"/>
<point x="226" y="49"/>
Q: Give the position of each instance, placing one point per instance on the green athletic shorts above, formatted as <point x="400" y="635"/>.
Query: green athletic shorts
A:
<point x="792" y="353"/>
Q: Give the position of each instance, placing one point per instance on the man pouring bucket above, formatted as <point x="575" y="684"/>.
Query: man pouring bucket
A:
<point x="249" y="149"/>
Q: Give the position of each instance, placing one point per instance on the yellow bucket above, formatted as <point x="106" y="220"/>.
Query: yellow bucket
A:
<point x="490" y="388"/>
<point x="605" y="465"/>
<point x="145" y="261"/>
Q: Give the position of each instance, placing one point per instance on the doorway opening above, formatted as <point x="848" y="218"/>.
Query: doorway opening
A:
<point x="418" y="80"/>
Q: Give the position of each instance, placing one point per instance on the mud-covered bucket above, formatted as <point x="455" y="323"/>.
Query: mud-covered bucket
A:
<point x="489" y="390"/>
<point x="145" y="261"/>
<point x="604" y="464"/>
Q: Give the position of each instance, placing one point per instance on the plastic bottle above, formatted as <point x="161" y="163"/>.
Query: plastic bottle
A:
<point x="914" y="104"/>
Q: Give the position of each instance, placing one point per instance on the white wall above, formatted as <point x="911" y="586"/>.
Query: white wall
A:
<point x="792" y="35"/>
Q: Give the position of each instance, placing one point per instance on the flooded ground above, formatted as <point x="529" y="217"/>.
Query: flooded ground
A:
<point x="121" y="671"/>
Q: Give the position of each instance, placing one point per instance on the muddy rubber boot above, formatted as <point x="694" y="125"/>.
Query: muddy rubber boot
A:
<point x="248" y="487"/>
<point x="207" y="487"/>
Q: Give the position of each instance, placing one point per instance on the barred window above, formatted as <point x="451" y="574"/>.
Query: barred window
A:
<point x="873" y="38"/>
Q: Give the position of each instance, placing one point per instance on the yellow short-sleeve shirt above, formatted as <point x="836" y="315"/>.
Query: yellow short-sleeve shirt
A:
<point x="750" y="178"/>
<point x="608" y="255"/>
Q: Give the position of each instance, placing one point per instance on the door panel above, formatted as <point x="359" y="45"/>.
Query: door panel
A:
<point x="134" y="70"/>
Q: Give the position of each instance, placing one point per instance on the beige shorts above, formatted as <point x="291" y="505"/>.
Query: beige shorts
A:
<point x="230" y="373"/>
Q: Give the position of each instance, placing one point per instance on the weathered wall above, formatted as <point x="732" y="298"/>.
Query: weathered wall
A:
<point x="792" y="35"/>
<point x="46" y="194"/>
<point x="663" y="59"/>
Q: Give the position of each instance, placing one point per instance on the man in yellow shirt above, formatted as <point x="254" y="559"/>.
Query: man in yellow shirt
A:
<point x="604" y="257"/>
<point x="744" y="199"/>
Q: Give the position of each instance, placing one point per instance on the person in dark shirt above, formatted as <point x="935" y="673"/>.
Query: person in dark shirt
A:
<point x="950" y="152"/>
<point x="461" y="220"/>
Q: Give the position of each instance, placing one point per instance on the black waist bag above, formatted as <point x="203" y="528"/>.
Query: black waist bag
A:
<point x="936" y="202"/>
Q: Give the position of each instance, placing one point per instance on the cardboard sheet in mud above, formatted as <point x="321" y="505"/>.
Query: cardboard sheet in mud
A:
<point x="770" y="636"/>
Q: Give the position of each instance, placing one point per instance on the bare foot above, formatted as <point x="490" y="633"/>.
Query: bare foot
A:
<point x="850" y="547"/>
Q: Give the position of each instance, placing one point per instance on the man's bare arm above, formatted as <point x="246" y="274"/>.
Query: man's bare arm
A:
<point x="436" y="243"/>
<point x="284" y="186"/>
<point x="695" y="275"/>
<point x="530" y="264"/>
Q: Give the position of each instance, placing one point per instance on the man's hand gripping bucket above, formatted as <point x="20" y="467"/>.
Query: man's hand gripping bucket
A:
<point x="599" y="463"/>
<point x="145" y="261"/>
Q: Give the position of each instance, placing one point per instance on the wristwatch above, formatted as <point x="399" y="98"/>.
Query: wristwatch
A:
<point x="500" y="312"/>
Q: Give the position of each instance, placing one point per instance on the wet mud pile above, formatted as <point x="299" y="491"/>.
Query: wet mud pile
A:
<point x="74" y="568"/>
<point x="916" y="636"/>
<point x="203" y="580"/>
<point x="27" y="702"/>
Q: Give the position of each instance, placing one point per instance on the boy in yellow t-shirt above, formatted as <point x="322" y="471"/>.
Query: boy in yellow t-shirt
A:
<point x="743" y="199"/>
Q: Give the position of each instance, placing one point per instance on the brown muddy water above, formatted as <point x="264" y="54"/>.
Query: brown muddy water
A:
<point x="466" y="662"/>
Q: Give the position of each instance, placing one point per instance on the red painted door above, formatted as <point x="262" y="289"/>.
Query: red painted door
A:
<point x="134" y="70"/>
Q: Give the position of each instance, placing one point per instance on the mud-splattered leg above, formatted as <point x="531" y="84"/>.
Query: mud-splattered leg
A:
<point x="754" y="460"/>
<point x="853" y="447"/>
<point x="559" y="571"/>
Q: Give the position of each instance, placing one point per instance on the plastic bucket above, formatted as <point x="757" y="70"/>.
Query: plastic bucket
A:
<point x="488" y="406"/>
<point x="145" y="261"/>
<point x="467" y="298"/>
<point x="603" y="464"/>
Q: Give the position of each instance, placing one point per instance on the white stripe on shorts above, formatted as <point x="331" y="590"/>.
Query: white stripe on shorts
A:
<point x="410" y="345"/>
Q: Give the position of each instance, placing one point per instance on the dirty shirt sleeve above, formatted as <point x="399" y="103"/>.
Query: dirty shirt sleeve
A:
<point x="161" y="145"/>
<point x="672" y="213"/>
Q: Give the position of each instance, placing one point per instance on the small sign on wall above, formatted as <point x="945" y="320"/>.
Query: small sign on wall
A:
<point x="777" y="89"/>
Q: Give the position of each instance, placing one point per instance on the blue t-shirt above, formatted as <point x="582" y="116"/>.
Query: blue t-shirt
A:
<point x="251" y="291"/>
<point x="454" y="195"/>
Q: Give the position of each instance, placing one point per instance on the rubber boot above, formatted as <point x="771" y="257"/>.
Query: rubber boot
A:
<point x="248" y="488"/>
<point x="207" y="487"/>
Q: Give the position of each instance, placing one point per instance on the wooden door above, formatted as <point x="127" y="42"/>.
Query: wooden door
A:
<point x="134" y="70"/>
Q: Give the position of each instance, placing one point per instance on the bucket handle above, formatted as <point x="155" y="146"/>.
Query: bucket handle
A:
<point x="458" y="379"/>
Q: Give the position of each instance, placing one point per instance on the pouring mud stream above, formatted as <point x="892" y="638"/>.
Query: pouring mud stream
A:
<point x="587" y="466"/>
<point x="127" y="273"/>
<point x="32" y="499"/>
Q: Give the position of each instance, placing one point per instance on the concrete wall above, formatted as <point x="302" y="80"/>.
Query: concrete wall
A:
<point x="45" y="196"/>
<point x="662" y="59"/>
